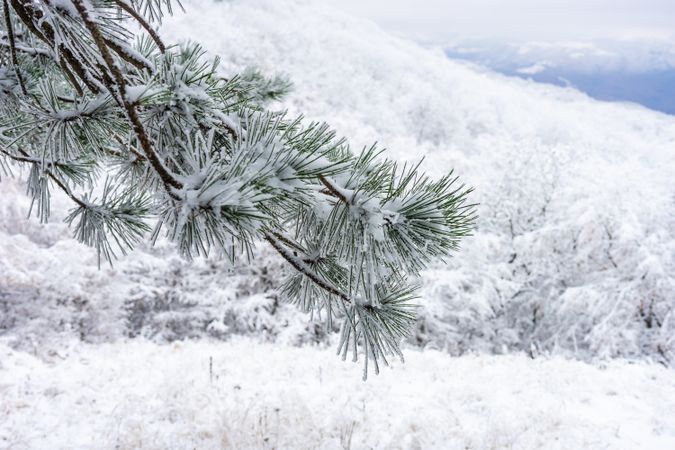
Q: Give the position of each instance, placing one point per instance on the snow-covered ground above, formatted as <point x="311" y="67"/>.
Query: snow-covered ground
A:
<point x="574" y="255"/>
<point x="243" y="394"/>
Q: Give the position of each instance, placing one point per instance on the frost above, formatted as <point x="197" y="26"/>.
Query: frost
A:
<point x="135" y="93"/>
<point x="65" y="6"/>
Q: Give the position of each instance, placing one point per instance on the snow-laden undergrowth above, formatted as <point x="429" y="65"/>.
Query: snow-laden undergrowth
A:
<point x="52" y="289"/>
<point x="239" y="395"/>
<point x="575" y="247"/>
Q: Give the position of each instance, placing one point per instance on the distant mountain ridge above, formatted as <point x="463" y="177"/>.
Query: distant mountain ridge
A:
<point x="639" y="71"/>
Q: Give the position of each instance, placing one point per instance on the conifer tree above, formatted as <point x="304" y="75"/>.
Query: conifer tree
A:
<point x="147" y="138"/>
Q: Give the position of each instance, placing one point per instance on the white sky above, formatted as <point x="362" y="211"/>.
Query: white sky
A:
<point x="519" y="19"/>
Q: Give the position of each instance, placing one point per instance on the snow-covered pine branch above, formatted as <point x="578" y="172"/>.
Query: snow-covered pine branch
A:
<point x="83" y="98"/>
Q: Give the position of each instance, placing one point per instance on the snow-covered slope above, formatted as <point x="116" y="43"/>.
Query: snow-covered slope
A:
<point x="244" y="395"/>
<point x="575" y="249"/>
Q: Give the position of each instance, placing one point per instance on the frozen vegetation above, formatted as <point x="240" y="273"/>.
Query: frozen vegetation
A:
<point x="572" y="265"/>
<point x="243" y="394"/>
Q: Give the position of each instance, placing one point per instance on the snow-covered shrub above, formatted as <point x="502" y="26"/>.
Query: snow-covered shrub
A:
<point x="559" y="264"/>
<point x="51" y="290"/>
<point x="182" y="300"/>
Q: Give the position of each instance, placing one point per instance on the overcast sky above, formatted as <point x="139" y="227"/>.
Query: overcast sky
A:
<point x="519" y="19"/>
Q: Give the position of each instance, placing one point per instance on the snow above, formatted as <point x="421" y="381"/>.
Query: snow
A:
<point x="134" y="93"/>
<point x="244" y="394"/>
<point x="66" y="6"/>
<point x="574" y="255"/>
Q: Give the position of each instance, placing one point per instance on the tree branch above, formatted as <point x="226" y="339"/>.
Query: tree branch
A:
<point x="301" y="267"/>
<point x="143" y="23"/>
<point x="12" y="46"/>
<point x="136" y="124"/>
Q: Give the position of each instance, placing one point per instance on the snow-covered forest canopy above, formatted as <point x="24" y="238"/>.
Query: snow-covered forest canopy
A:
<point x="571" y="264"/>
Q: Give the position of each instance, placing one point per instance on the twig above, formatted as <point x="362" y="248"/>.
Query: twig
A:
<point x="12" y="46"/>
<point x="128" y="57"/>
<point x="131" y="148"/>
<point x="332" y="190"/>
<point x="301" y="267"/>
<point x="143" y="23"/>
<point x="297" y="247"/>
<point x="136" y="124"/>
<point x="287" y="241"/>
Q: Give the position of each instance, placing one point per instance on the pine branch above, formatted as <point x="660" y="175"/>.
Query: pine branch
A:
<point x="25" y="158"/>
<point x="30" y="16"/>
<point x="302" y="268"/>
<point x="167" y="178"/>
<point x="218" y="170"/>
<point x="12" y="46"/>
<point x="143" y="23"/>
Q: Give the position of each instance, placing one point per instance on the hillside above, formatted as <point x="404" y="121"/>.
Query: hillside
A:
<point x="575" y="246"/>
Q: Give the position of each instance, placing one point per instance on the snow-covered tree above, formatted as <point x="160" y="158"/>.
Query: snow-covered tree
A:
<point x="147" y="138"/>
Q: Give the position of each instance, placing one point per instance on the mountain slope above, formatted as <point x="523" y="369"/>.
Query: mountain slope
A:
<point x="575" y="247"/>
<point x="574" y="251"/>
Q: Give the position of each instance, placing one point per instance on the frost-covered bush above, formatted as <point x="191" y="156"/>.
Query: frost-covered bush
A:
<point x="51" y="291"/>
<point x="182" y="300"/>
<point x="561" y="270"/>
